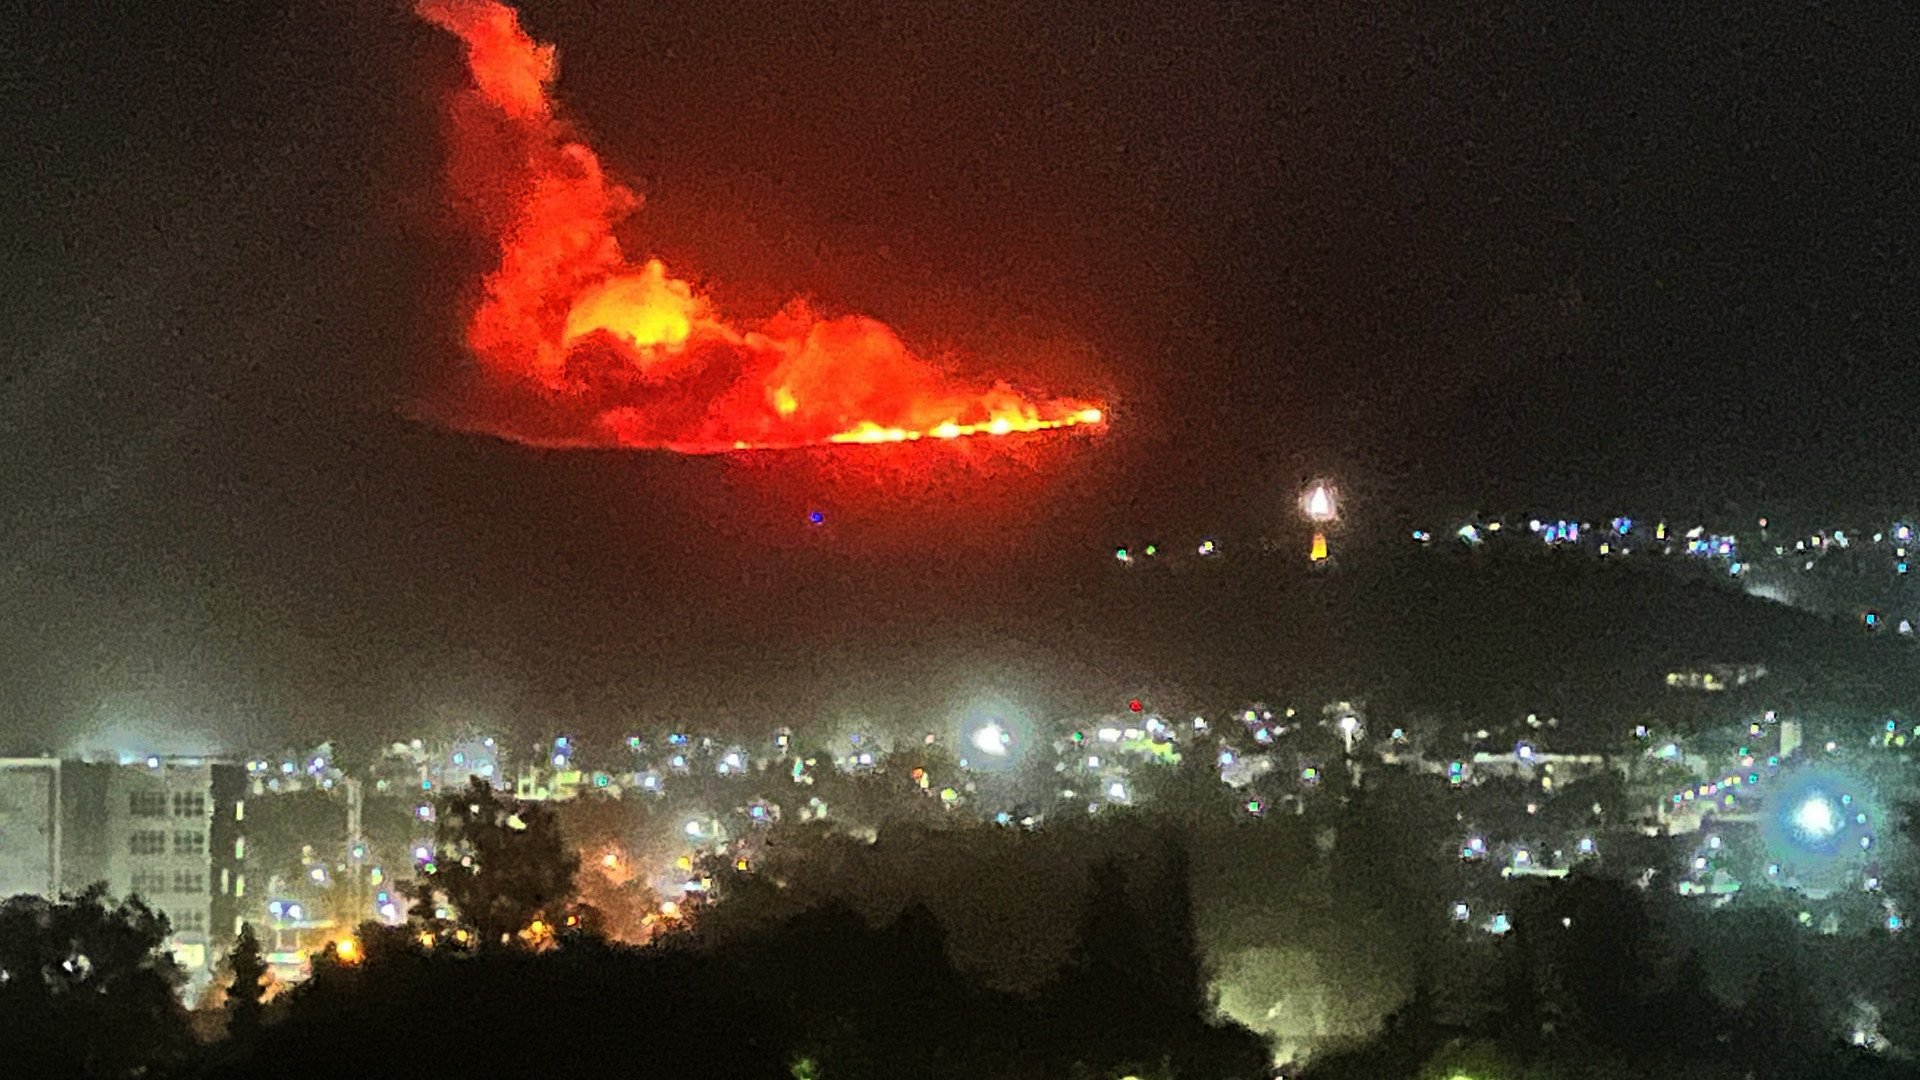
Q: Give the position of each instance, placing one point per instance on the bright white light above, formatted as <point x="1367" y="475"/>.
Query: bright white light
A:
<point x="992" y="740"/>
<point x="1318" y="503"/>
<point x="1117" y="790"/>
<point x="1816" y="818"/>
<point x="693" y="829"/>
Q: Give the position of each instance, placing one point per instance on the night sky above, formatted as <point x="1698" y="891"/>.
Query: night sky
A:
<point x="1458" y="259"/>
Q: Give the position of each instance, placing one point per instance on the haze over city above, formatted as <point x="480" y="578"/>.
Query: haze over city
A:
<point x="1087" y="490"/>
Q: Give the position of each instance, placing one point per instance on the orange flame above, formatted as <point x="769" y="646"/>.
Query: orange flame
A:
<point x="635" y="356"/>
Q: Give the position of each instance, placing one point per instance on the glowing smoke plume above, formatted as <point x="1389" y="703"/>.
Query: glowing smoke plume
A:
<point x="619" y="353"/>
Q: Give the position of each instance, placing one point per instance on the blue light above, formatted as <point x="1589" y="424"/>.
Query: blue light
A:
<point x="817" y="517"/>
<point x="1622" y="526"/>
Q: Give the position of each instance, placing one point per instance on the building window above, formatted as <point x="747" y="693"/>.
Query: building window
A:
<point x="147" y="843"/>
<point x="149" y="882"/>
<point x="190" y="882"/>
<point x="189" y="843"/>
<point x="240" y="810"/>
<point x="188" y="805"/>
<point x="147" y="803"/>
<point x="239" y="847"/>
<point x="191" y="921"/>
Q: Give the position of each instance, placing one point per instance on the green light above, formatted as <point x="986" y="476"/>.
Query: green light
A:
<point x="1151" y="550"/>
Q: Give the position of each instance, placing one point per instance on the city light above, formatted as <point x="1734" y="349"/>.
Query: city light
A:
<point x="991" y="739"/>
<point x="1319" y="503"/>
<point x="1816" y="818"/>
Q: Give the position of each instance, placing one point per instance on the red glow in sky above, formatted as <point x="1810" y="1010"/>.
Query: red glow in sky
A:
<point x="632" y="356"/>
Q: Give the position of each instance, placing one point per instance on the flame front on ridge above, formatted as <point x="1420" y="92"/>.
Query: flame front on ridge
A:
<point x="630" y="355"/>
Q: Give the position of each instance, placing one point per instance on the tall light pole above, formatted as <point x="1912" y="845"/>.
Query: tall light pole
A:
<point x="1321" y="506"/>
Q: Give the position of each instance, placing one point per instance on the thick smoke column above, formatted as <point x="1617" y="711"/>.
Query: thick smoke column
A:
<point x="610" y="352"/>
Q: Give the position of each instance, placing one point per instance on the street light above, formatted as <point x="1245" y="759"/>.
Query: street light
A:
<point x="1816" y="818"/>
<point x="991" y="739"/>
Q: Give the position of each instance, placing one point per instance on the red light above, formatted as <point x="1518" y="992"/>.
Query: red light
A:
<point x="1134" y="704"/>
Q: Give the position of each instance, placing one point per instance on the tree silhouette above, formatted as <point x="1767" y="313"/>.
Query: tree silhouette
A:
<point x="246" y="996"/>
<point x="87" y="988"/>
<point x="500" y="863"/>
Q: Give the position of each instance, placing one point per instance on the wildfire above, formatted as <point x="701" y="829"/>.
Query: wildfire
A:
<point x="616" y="353"/>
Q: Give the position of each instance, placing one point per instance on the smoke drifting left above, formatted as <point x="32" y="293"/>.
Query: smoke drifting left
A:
<point x="581" y="346"/>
